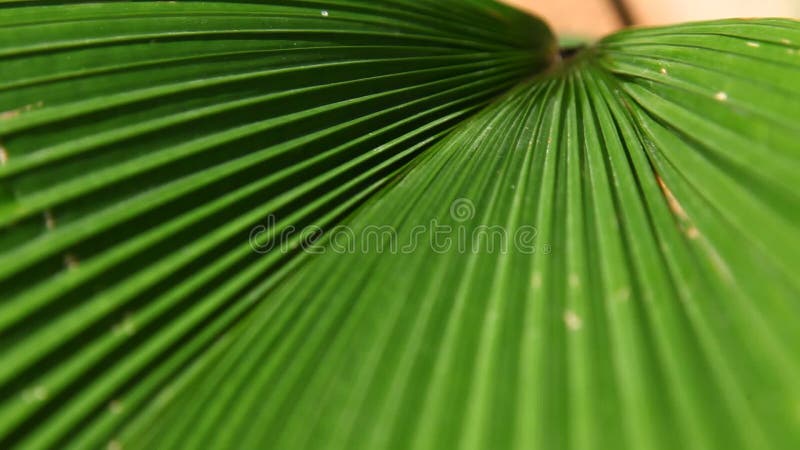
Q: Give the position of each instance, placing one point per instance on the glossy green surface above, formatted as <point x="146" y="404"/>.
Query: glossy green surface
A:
<point x="653" y="304"/>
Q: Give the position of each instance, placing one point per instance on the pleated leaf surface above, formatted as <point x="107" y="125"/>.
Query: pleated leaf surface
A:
<point x="605" y="257"/>
<point x="142" y="142"/>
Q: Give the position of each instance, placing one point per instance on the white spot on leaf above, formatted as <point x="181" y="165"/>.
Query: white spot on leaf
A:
<point x="115" y="407"/>
<point x="126" y="327"/>
<point x="35" y="394"/>
<point x="71" y="261"/>
<point x="721" y="96"/>
<point x="573" y="321"/>
<point x="753" y="44"/>
<point x="536" y="280"/>
<point x="324" y="13"/>
<point x="49" y="221"/>
<point x="40" y="393"/>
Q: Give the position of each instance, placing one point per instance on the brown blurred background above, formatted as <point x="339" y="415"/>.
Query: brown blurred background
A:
<point x="598" y="17"/>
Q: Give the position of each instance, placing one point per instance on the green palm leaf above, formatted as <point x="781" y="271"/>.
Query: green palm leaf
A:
<point x="603" y="257"/>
